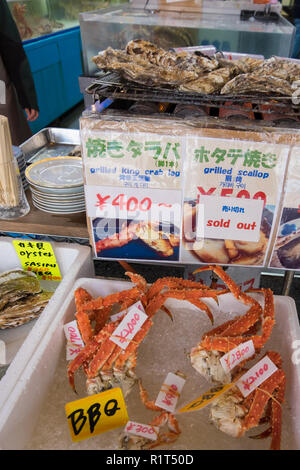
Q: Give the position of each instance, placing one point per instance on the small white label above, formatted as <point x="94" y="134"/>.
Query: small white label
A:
<point x="229" y="218"/>
<point x="118" y="315"/>
<point x="237" y="355"/>
<point x="2" y="352"/>
<point x="256" y="376"/>
<point x="143" y="430"/>
<point x="129" y="326"/>
<point x="170" y="391"/>
<point x="74" y="340"/>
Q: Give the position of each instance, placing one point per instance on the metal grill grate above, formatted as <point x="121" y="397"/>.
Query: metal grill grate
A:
<point x="113" y="86"/>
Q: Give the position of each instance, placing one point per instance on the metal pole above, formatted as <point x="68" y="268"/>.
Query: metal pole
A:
<point x="288" y="280"/>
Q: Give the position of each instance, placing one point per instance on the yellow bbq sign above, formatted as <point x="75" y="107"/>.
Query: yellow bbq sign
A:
<point x="96" y="414"/>
<point x="205" y="399"/>
<point x="38" y="257"/>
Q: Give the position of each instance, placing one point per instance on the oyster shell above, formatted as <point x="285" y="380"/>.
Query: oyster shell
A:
<point x="250" y="83"/>
<point x="16" y="284"/>
<point x="289" y="254"/>
<point x="24" y="310"/>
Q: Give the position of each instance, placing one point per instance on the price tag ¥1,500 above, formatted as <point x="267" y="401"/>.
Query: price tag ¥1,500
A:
<point x="96" y="414"/>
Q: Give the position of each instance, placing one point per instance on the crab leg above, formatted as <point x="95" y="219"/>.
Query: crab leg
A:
<point x="191" y="295"/>
<point x="117" y="297"/>
<point x="168" y="437"/>
<point x="234" y="288"/>
<point x="173" y="283"/>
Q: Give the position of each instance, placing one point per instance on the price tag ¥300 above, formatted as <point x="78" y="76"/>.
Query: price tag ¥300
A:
<point x="38" y="257"/>
<point x="96" y="414"/>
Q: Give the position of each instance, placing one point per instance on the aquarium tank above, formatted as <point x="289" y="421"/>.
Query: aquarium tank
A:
<point x="37" y="18"/>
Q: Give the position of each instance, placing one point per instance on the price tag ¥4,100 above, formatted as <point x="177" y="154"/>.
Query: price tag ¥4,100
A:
<point x="255" y="376"/>
<point x="38" y="257"/>
<point x="96" y="414"/>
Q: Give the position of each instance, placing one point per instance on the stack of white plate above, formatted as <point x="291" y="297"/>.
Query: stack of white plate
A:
<point x="19" y="156"/>
<point x="57" y="185"/>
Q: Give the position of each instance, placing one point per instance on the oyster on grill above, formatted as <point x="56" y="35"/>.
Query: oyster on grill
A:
<point x="24" y="310"/>
<point x="247" y="83"/>
<point x="210" y="83"/>
<point x="16" y="284"/>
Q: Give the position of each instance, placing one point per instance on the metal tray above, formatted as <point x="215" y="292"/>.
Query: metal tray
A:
<point x="50" y="142"/>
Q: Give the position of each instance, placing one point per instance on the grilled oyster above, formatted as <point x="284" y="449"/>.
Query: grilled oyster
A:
<point x="209" y="83"/>
<point x="16" y="284"/>
<point x="24" y="310"/>
<point x="248" y="83"/>
<point x="289" y="254"/>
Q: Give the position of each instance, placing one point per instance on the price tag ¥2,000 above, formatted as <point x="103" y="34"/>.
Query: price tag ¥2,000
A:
<point x="38" y="257"/>
<point x="96" y="414"/>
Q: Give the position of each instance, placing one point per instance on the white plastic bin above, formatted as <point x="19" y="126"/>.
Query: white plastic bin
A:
<point x="34" y="411"/>
<point x="74" y="261"/>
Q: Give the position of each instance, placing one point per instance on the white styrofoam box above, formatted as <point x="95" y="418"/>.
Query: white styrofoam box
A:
<point x="46" y="371"/>
<point x="74" y="261"/>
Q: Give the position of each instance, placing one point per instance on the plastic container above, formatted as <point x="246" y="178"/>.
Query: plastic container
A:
<point x="39" y="396"/>
<point x="17" y="345"/>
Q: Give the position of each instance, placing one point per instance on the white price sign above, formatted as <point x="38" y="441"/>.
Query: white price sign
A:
<point x="128" y="203"/>
<point x="170" y="391"/>
<point x="74" y="340"/>
<point x="256" y="376"/>
<point x="129" y="326"/>
<point x="143" y="430"/>
<point x="237" y="355"/>
<point x="229" y="218"/>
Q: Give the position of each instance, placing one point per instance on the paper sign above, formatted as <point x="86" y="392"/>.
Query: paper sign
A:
<point x="118" y="315"/>
<point x="229" y="218"/>
<point x="170" y="391"/>
<point x="256" y="376"/>
<point x="2" y="352"/>
<point x="38" y="257"/>
<point x="206" y="398"/>
<point x="111" y="202"/>
<point x="74" y="340"/>
<point x="129" y="327"/>
<point x="237" y="355"/>
<point x="96" y="414"/>
<point x="143" y="430"/>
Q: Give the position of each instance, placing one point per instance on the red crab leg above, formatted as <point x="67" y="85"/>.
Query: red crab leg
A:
<point x="111" y="299"/>
<point x="190" y="295"/>
<point x="173" y="426"/>
<point x="234" y="288"/>
<point x="150" y="404"/>
<point x="244" y="322"/>
<point x="173" y="283"/>
<point x="84" y="355"/>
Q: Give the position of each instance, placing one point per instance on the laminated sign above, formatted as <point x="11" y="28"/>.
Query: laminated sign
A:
<point x="39" y="258"/>
<point x="286" y="252"/>
<point x="231" y="200"/>
<point x="133" y="193"/>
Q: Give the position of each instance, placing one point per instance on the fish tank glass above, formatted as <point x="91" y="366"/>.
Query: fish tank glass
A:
<point x="37" y="18"/>
<point x="115" y="26"/>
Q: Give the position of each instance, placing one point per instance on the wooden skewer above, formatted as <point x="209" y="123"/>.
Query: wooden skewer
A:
<point x="9" y="188"/>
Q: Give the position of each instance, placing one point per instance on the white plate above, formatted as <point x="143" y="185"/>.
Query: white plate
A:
<point x="58" y="172"/>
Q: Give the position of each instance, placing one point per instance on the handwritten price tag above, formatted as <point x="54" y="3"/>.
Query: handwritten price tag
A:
<point x="237" y="355"/>
<point x="118" y="315"/>
<point x="129" y="327"/>
<point x="205" y="399"/>
<point x="170" y="391"/>
<point x="256" y="376"/>
<point x="39" y="258"/>
<point x="96" y="414"/>
<point x="143" y="430"/>
<point x="74" y="340"/>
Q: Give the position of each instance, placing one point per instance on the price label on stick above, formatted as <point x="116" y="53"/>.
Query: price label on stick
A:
<point x="96" y="414"/>
<point x="38" y="257"/>
<point x="237" y="355"/>
<point x="143" y="430"/>
<point x="129" y="326"/>
<point x="256" y="376"/>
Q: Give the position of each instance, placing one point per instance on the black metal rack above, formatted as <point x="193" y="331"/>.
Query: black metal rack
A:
<point x="113" y="86"/>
